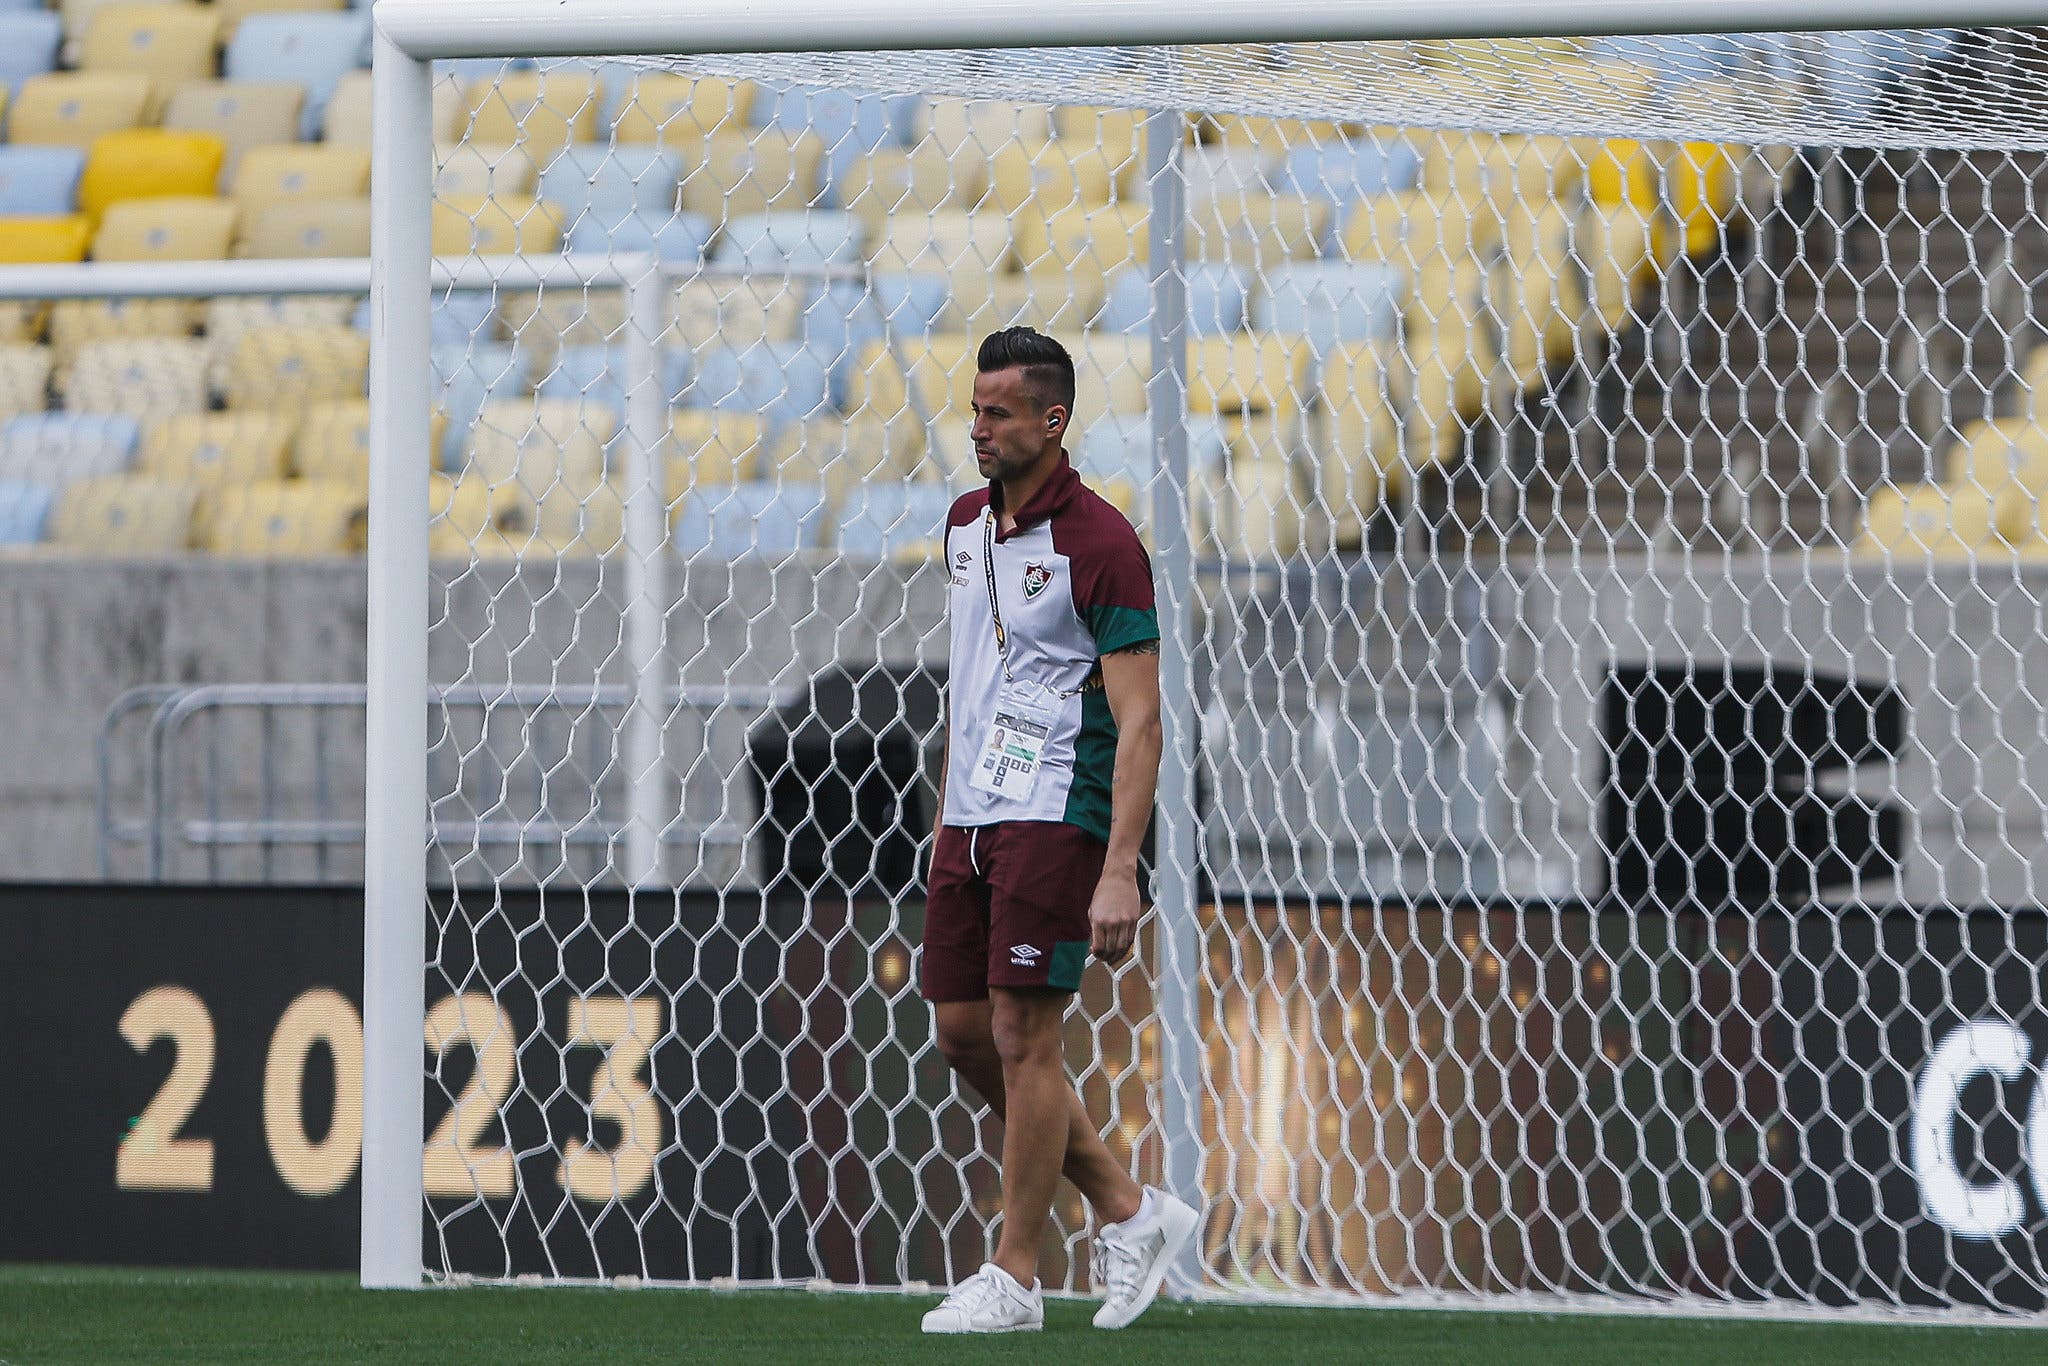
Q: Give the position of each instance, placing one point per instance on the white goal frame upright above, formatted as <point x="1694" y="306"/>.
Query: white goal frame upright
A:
<point x="411" y="34"/>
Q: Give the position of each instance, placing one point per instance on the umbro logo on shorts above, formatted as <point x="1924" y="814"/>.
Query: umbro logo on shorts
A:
<point x="1025" y="956"/>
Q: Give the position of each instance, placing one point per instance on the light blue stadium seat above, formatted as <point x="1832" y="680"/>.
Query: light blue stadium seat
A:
<point x="315" y="50"/>
<point x="459" y="317"/>
<point x="29" y="40"/>
<point x="679" y="237"/>
<point x="55" y="448"/>
<point x="847" y="123"/>
<point x="24" y="512"/>
<point x="1331" y="302"/>
<point x="597" y="374"/>
<point x="1676" y="57"/>
<point x="1119" y="446"/>
<point x="782" y="381"/>
<point x="611" y="182"/>
<point x="883" y="517"/>
<point x="754" y="518"/>
<point x="842" y="319"/>
<point x="1216" y="299"/>
<point x="470" y="376"/>
<point x="39" y="180"/>
<point x="801" y="240"/>
<point x="1857" y="70"/>
<point x="1350" y="170"/>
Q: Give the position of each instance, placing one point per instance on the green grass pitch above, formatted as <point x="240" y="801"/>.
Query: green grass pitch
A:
<point x="51" y="1314"/>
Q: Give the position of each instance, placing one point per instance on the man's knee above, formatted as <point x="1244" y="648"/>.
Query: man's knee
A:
<point x="1025" y="1026"/>
<point x="965" y="1038"/>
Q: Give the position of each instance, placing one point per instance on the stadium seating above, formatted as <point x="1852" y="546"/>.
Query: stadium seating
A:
<point x="1216" y="295"/>
<point x="575" y="522"/>
<point x="39" y="180"/>
<point x="273" y="174"/>
<point x="850" y="124"/>
<point x="312" y="50"/>
<point x="889" y="182"/>
<point x="1051" y="175"/>
<point x="473" y="521"/>
<point x="612" y="182"/>
<point x="333" y="441"/>
<point x="780" y="380"/>
<point x="545" y="321"/>
<point x="711" y="447"/>
<point x="123" y="517"/>
<point x="148" y="163"/>
<point x="173" y="228"/>
<point x="597" y="374"/>
<point x="540" y="112"/>
<point x="496" y="226"/>
<point x="76" y="322"/>
<point x="471" y="376"/>
<point x="29" y="40"/>
<point x="740" y="172"/>
<point x="674" y="237"/>
<point x="233" y="12"/>
<point x="228" y="319"/>
<point x="167" y="42"/>
<point x="56" y="448"/>
<point x="772" y="520"/>
<point x="1939" y="521"/>
<point x="1119" y="446"/>
<point x="242" y="114"/>
<point x="346" y="120"/>
<point x="283" y="517"/>
<point x="885" y="520"/>
<point x="457" y="316"/>
<point x="540" y="444"/>
<point x="478" y="170"/>
<point x="773" y="242"/>
<point x="71" y="108"/>
<point x="291" y="367"/>
<point x="1348" y="170"/>
<point x="144" y="377"/>
<point x="680" y="110"/>
<point x="24" y="379"/>
<point x="44" y="239"/>
<point x="1331" y="302"/>
<point x="973" y="130"/>
<point x="714" y="309"/>
<point x="24" y="513"/>
<point x="1358" y="449"/>
<point x="217" y="448"/>
<point x="307" y="228"/>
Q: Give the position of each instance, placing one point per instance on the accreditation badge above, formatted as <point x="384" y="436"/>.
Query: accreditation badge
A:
<point x="1015" y="746"/>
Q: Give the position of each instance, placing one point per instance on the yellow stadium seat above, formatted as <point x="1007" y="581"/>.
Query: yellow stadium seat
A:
<point x="500" y="226"/>
<point x="472" y="521"/>
<point x="735" y="311"/>
<point x="540" y="111"/>
<point x="576" y="522"/>
<point x="667" y="106"/>
<point x="1110" y="373"/>
<point x="217" y="448"/>
<point x="24" y="379"/>
<point x="173" y="228"/>
<point x="1539" y="298"/>
<point x="71" y="108"/>
<point x="123" y="517"/>
<point x="903" y="381"/>
<point x="269" y="175"/>
<point x="291" y="367"/>
<point x="333" y="440"/>
<point x="478" y="170"/>
<point x="2005" y="456"/>
<point x="1359" y="446"/>
<point x="1104" y="237"/>
<point x="1615" y="246"/>
<point x="970" y="249"/>
<point x="906" y="180"/>
<point x="1692" y="184"/>
<point x="1051" y="175"/>
<point x="975" y="130"/>
<point x="1258" y="231"/>
<point x="1930" y="520"/>
<point x="711" y="447"/>
<point x="228" y="319"/>
<point x="284" y="517"/>
<point x="1257" y="515"/>
<point x="347" y="120"/>
<point x="1119" y="133"/>
<point x="745" y="171"/>
<point x="1050" y="299"/>
<point x="74" y="323"/>
<point x="142" y="377"/>
<point x="1245" y="376"/>
<point x="539" y="444"/>
<point x="44" y="240"/>
<point x="307" y="228"/>
<point x="242" y="114"/>
<point x="2032" y="384"/>
<point x="148" y="163"/>
<point x="168" y="43"/>
<point x="1275" y="137"/>
<point x="233" y="12"/>
<point x="838" y="454"/>
<point x="1414" y="228"/>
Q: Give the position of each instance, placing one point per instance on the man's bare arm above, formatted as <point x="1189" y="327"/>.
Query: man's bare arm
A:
<point x="1130" y="677"/>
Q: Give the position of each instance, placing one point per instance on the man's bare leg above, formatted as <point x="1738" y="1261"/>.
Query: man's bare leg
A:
<point x="1026" y="1025"/>
<point x="967" y="1038"/>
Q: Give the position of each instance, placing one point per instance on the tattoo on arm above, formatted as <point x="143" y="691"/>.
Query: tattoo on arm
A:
<point x="1143" y="647"/>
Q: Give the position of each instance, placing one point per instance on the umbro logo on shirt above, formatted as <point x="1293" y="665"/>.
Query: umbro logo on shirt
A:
<point x="963" y="559"/>
<point x="1036" y="577"/>
<point x="1025" y="956"/>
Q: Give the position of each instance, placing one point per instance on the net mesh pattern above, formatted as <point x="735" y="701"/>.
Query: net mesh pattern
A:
<point x="1613" y="628"/>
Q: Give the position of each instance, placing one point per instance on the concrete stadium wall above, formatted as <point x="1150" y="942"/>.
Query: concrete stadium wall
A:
<point x="1522" y="694"/>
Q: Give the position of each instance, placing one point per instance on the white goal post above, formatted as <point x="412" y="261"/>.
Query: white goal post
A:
<point x="1500" y="955"/>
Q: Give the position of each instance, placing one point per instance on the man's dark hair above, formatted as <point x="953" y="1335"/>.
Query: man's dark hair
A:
<point x="1048" y="369"/>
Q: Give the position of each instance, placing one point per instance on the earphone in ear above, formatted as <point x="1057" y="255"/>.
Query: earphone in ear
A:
<point x="1053" y="421"/>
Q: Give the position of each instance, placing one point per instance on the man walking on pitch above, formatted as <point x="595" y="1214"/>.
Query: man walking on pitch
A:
<point x="1052" y="756"/>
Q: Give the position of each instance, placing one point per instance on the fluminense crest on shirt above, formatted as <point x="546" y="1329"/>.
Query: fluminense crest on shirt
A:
<point x="1036" y="577"/>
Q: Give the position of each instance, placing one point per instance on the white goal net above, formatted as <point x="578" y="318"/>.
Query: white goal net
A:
<point x="1595" y="487"/>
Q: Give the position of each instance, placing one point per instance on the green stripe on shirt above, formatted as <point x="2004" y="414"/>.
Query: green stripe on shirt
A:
<point x="1118" y="628"/>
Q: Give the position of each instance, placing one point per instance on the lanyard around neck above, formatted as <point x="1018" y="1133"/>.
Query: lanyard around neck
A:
<point x="995" y="606"/>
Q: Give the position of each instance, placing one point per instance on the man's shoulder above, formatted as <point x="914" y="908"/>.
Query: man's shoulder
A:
<point x="1090" y="524"/>
<point x="967" y="508"/>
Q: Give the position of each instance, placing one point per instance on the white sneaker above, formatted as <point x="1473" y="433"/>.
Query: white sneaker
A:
<point x="989" y="1301"/>
<point x="1132" y="1257"/>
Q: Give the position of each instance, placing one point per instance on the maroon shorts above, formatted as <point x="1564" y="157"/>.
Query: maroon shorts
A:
<point x="1008" y="907"/>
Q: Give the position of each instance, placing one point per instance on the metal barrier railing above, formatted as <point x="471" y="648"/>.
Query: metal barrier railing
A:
<point x="238" y="810"/>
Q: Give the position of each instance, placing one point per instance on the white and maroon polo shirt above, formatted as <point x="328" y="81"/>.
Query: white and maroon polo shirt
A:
<point x="1074" y="584"/>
